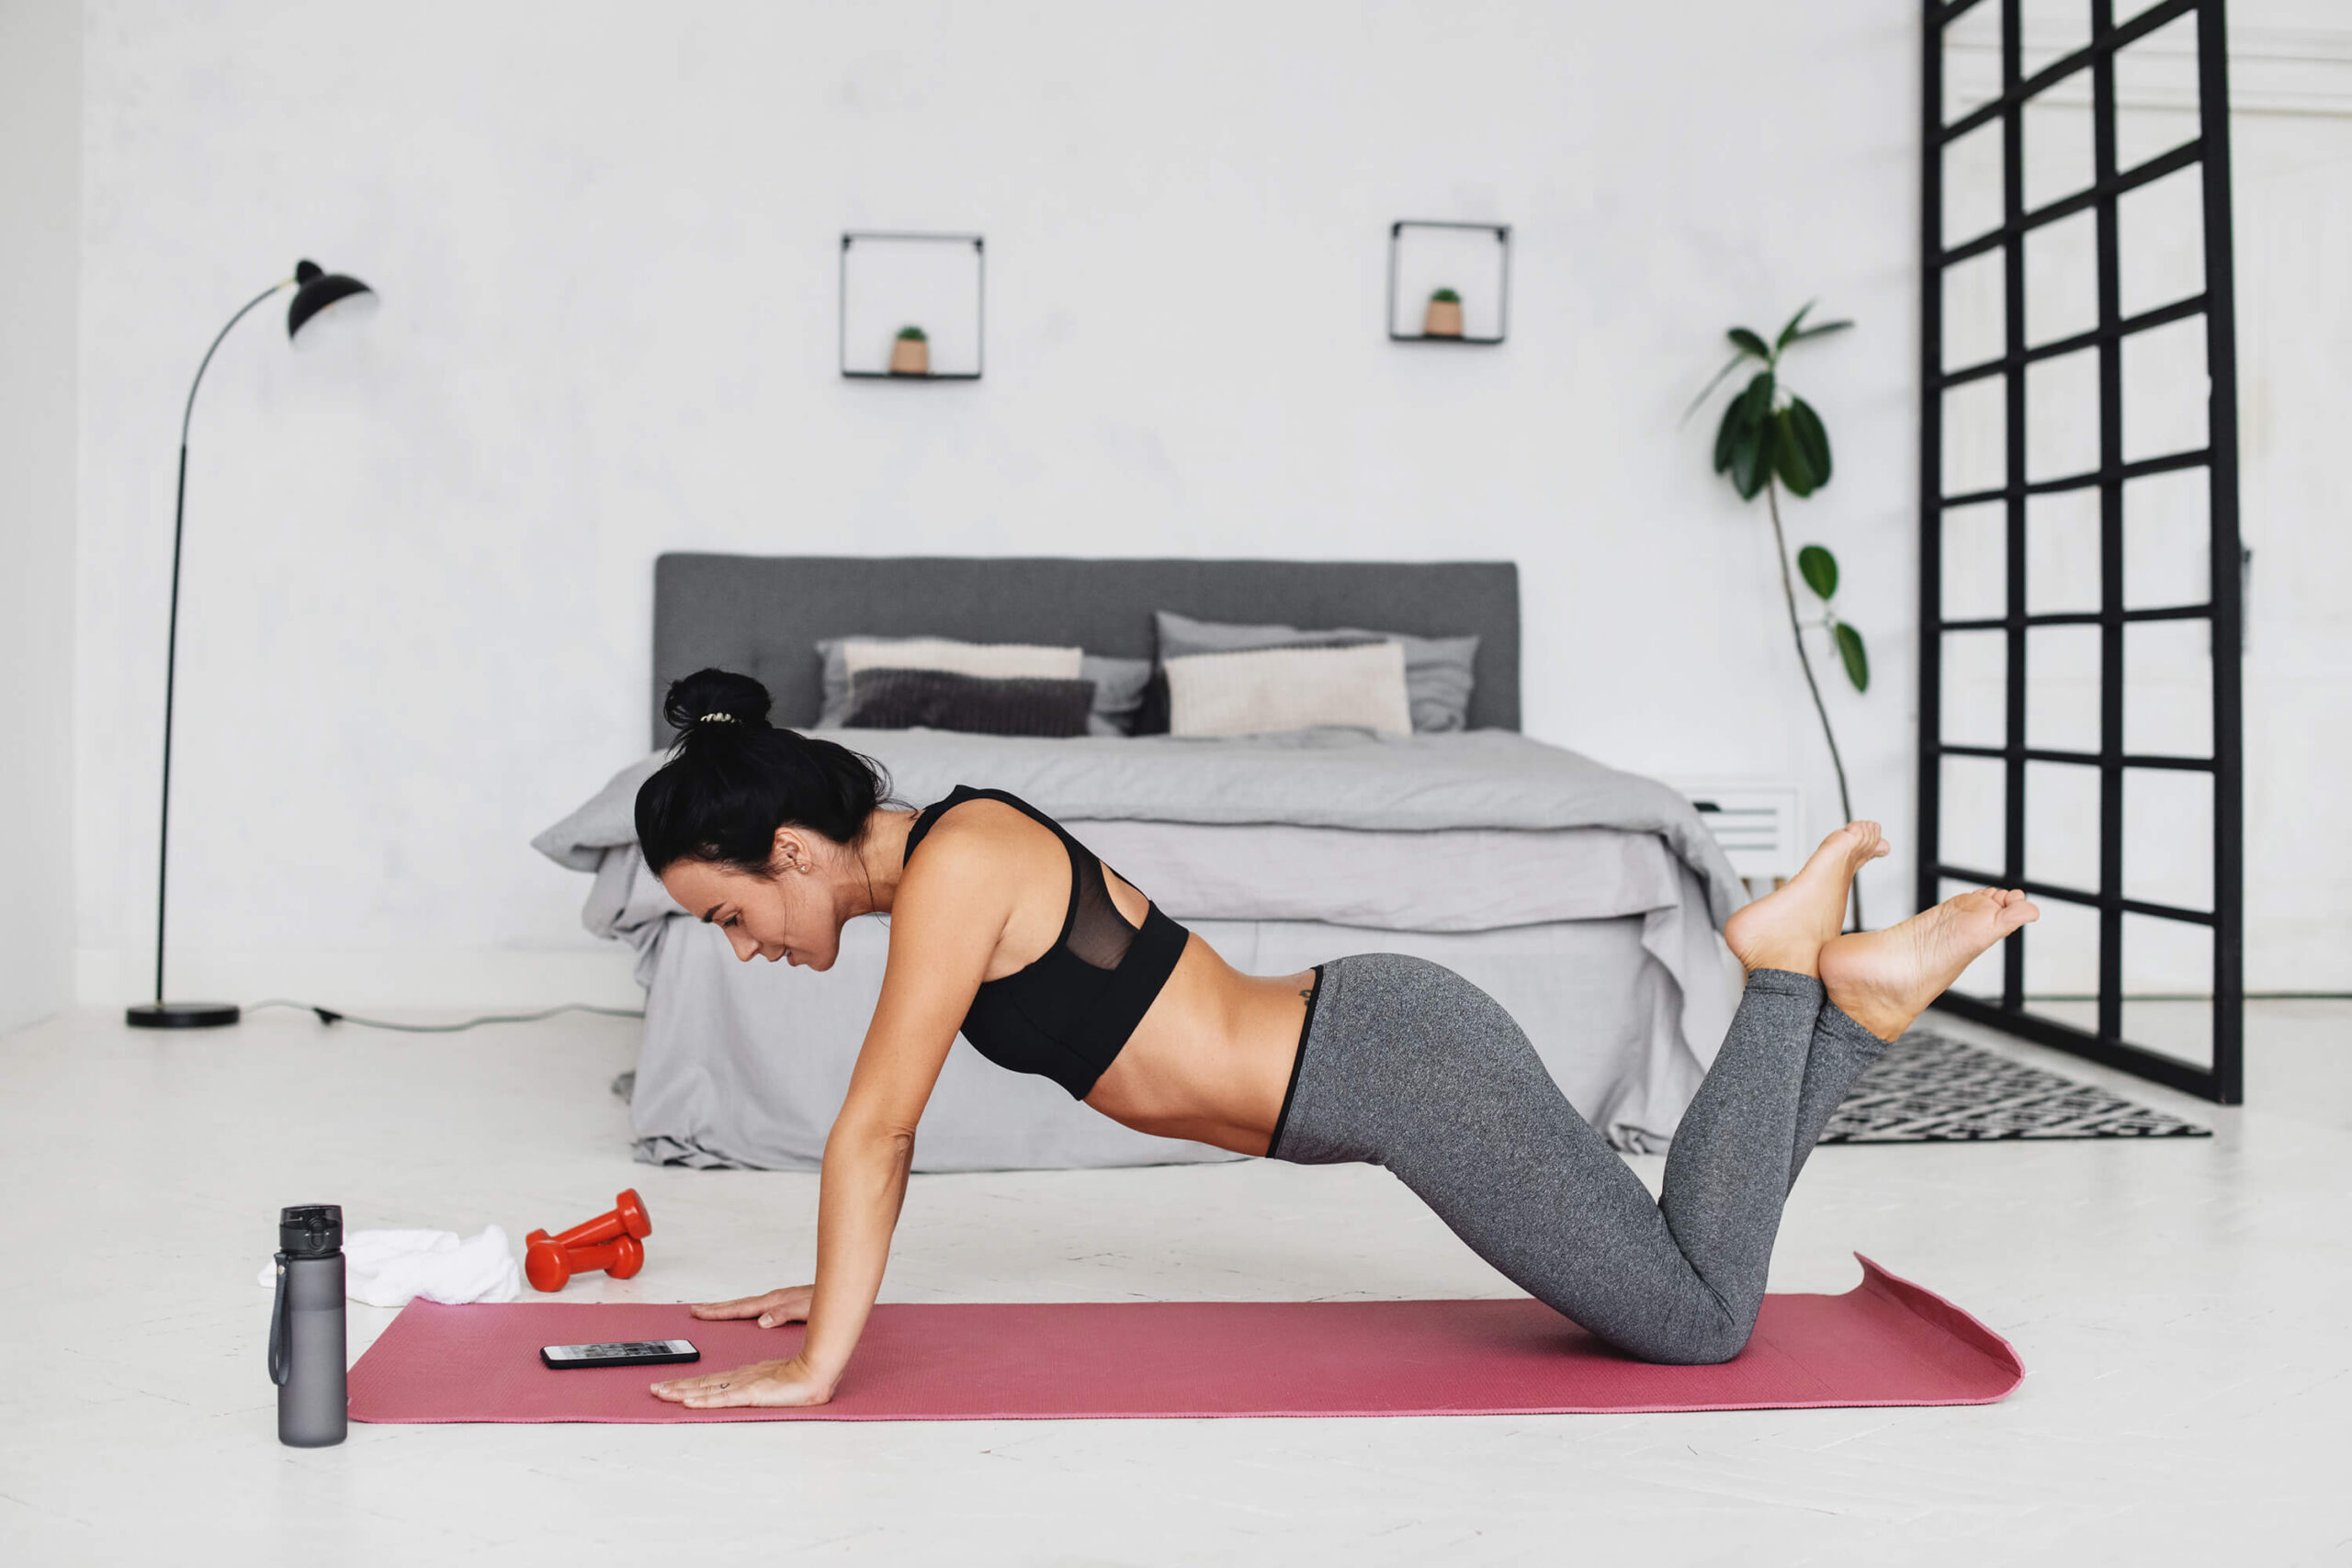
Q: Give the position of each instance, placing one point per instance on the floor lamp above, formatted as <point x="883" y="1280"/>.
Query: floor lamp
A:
<point x="314" y="289"/>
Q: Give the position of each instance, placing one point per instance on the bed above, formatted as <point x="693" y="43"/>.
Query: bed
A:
<point x="1587" y="901"/>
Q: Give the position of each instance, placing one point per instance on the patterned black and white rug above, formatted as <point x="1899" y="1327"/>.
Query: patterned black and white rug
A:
<point x="1929" y="1088"/>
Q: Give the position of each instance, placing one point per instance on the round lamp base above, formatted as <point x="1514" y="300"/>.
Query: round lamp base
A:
<point x="180" y="1015"/>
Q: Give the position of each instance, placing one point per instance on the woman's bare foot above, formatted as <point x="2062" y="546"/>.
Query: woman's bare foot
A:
<point x="1884" y="979"/>
<point x="1786" y="928"/>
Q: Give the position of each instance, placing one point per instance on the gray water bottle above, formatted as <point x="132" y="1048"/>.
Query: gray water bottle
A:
<point x="306" y="1328"/>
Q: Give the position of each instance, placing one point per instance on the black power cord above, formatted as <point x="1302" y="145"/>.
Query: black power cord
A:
<point x="329" y="1015"/>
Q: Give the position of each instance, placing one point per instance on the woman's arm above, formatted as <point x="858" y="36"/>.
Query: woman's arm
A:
<point x="858" y="1197"/>
<point x="944" y="928"/>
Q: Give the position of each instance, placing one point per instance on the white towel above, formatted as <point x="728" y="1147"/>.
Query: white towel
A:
<point x="390" y="1269"/>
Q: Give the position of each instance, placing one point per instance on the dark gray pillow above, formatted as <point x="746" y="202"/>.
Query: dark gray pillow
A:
<point x="1118" y="686"/>
<point x="1118" y="691"/>
<point x="1437" y="668"/>
<point x="976" y="705"/>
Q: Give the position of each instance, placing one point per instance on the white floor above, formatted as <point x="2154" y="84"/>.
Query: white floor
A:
<point x="2181" y="1305"/>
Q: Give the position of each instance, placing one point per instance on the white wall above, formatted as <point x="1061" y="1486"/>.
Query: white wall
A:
<point x="2293" y="192"/>
<point x="419" y="553"/>
<point x="40" y="168"/>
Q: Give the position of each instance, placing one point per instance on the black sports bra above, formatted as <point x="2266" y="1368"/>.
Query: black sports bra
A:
<point x="1067" y="1015"/>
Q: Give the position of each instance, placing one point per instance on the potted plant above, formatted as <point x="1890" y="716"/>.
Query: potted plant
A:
<point x="1444" y="318"/>
<point x="1763" y="444"/>
<point x="911" y="354"/>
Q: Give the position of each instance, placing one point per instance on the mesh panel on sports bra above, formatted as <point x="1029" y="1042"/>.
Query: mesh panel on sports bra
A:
<point x="1099" y="934"/>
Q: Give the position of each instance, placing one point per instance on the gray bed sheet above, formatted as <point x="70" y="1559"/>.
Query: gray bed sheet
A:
<point x="1586" y="900"/>
<point x="1317" y="778"/>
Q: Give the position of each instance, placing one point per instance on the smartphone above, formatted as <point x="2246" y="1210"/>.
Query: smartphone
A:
<point x="627" y="1353"/>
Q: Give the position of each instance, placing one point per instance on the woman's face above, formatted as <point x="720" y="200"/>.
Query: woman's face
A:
<point x="793" y="914"/>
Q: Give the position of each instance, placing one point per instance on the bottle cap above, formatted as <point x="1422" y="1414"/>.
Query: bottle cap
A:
<point x="311" y="1230"/>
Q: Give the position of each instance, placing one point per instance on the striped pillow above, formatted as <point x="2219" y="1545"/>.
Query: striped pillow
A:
<point x="975" y="704"/>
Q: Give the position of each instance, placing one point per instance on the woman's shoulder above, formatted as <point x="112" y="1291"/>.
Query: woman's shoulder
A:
<point x="982" y="852"/>
<point x="971" y="823"/>
<point x="968" y="807"/>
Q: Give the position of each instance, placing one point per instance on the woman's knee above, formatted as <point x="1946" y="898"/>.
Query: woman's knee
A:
<point x="1711" y="1350"/>
<point x="1705" y="1342"/>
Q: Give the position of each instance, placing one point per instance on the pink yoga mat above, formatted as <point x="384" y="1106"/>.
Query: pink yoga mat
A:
<point x="1884" y="1342"/>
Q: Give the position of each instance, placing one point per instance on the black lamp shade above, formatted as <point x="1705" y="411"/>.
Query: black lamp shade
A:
<point x="317" y="288"/>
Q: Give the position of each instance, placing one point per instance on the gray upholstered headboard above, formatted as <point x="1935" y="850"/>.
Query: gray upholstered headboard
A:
<point x="762" y="615"/>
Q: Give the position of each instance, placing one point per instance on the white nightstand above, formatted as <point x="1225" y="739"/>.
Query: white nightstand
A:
<point x="1759" y="823"/>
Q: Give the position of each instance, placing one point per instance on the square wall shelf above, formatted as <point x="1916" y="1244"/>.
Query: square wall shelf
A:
<point x="1473" y="260"/>
<point x="934" y="283"/>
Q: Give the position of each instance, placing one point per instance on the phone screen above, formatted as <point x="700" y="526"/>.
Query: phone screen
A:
<point x="621" y="1353"/>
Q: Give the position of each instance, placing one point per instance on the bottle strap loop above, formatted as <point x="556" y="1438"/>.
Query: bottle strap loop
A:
<point x="281" y="1358"/>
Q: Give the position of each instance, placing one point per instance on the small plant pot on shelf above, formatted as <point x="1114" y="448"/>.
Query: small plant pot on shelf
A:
<point x="1444" y="318"/>
<point x="911" y="354"/>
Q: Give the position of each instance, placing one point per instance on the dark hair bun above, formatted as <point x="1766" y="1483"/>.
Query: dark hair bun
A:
<point x="733" y="778"/>
<point x="711" y="694"/>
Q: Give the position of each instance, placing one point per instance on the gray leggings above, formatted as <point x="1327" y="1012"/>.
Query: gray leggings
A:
<point x="1404" y="1064"/>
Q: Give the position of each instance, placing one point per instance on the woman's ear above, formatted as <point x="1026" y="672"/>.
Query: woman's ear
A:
<point x="792" y="851"/>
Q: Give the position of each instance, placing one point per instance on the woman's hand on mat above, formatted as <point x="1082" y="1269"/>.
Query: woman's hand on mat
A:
<point x="787" y="1305"/>
<point x="761" y="1383"/>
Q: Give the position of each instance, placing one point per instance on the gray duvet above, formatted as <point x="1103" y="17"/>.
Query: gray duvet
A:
<point x="1585" y="899"/>
<point x="1316" y="778"/>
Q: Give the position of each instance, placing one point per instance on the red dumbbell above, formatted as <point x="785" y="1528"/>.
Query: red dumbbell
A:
<point x="614" y="1241"/>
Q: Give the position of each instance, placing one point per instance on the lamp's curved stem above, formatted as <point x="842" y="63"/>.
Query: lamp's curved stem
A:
<point x="172" y="638"/>
<point x="205" y="362"/>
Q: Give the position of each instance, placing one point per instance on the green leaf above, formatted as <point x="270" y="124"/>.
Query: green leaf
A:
<point x="1849" y="650"/>
<point x="1805" y="427"/>
<point x="1741" y="422"/>
<point x="1788" y="332"/>
<point x="1751" y="459"/>
<point x="1819" y="570"/>
<point x="1746" y="442"/>
<point x="1822" y="330"/>
<point x="1788" y="457"/>
<point x="1721" y="377"/>
<point x="1727" y="432"/>
<point x="1748" y="342"/>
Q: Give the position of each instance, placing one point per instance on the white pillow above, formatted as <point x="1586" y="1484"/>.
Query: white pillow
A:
<point x="1267" y="690"/>
<point x="998" y="660"/>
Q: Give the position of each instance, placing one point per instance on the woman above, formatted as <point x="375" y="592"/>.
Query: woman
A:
<point x="1006" y="927"/>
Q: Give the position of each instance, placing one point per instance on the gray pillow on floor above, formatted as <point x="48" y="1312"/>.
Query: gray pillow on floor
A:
<point x="1118" y="685"/>
<point x="1437" y="668"/>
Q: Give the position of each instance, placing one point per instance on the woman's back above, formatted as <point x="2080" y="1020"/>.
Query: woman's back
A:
<point x="1167" y="1038"/>
<point x="1066" y="1014"/>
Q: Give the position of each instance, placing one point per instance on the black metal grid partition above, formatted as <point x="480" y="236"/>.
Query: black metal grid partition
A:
<point x="2010" y="628"/>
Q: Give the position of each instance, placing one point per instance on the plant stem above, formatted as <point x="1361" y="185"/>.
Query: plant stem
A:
<point x="1796" y="631"/>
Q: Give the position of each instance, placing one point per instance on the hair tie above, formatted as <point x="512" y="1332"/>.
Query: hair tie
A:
<point x="718" y="718"/>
